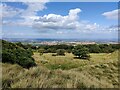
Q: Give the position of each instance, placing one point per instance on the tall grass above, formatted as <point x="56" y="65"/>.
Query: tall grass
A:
<point x="100" y="72"/>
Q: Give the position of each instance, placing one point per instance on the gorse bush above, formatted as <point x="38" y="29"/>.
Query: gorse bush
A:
<point x="11" y="53"/>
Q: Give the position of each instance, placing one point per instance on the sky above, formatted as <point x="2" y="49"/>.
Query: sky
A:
<point x="61" y="20"/>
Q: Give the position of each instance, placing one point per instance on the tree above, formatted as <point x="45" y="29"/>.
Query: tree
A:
<point x="68" y="51"/>
<point x="51" y="50"/>
<point x="41" y="51"/>
<point x="81" y="52"/>
<point x="94" y="48"/>
<point x="60" y="52"/>
<point x="105" y="48"/>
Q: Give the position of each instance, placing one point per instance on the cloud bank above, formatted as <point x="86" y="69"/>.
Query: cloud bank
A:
<point x="59" y="23"/>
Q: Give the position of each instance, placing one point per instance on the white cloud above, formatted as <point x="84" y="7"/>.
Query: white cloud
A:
<point x="92" y="26"/>
<point x="73" y="13"/>
<point x="59" y="32"/>
<point x="8" y="11"/>
<point x="68" y="22"/>
<point x="33" y="8"/>
<point x="112" y="14"/>
<point x="53" y="21"/>
<point x="28" y="15"/>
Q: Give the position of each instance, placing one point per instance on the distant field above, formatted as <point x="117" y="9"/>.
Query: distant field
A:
<point x="101" y="71"/>
<point x="69" y="61"/>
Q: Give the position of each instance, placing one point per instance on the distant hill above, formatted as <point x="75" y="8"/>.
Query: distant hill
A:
<point x="52" y="39"/>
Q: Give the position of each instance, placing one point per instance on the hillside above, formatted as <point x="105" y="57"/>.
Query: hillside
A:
<point x="16" y="54"/>
<point x="64" y="72"/>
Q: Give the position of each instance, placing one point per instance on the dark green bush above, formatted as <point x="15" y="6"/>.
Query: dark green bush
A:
<point x="11" y="53"/>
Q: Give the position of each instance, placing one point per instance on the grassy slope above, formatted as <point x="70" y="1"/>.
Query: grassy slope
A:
<point x="64" y="72"/>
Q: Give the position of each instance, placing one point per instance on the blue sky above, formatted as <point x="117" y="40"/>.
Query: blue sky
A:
<point x="60" y="20"/>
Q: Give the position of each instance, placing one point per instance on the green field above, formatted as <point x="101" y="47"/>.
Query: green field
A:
<point x="101" y="71"/>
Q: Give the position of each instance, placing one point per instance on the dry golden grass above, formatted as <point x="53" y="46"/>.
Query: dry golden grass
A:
<point x="64" y="72"/>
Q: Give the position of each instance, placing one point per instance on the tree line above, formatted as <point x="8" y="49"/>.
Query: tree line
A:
<point x="93" y="48"/>
<point x="22" y="54"/>
<point x="80" y="51"/>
